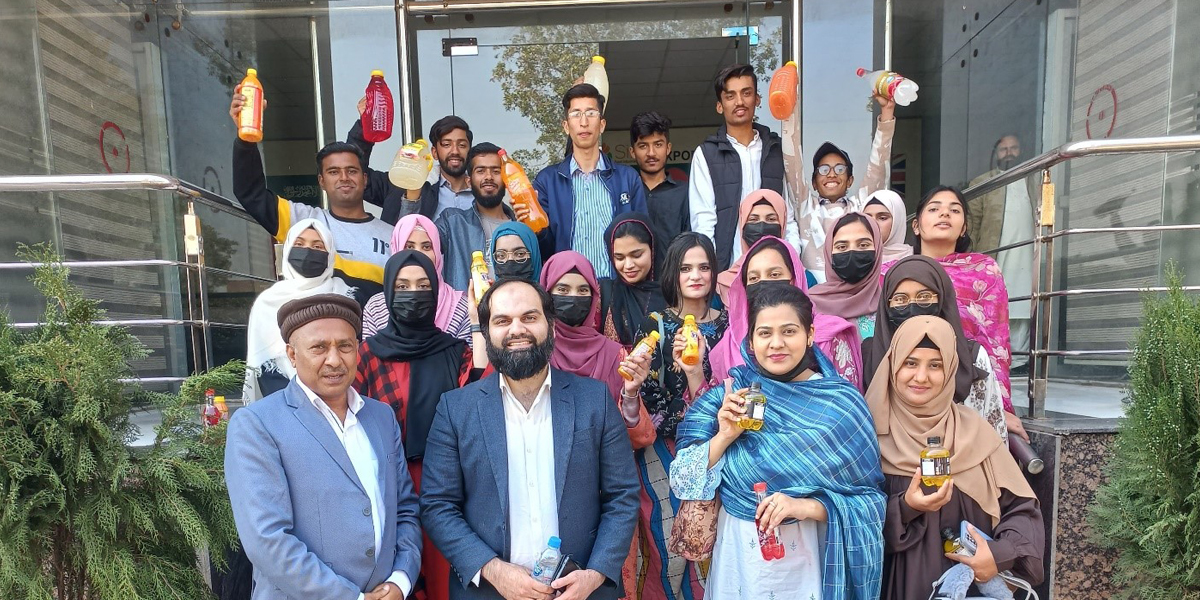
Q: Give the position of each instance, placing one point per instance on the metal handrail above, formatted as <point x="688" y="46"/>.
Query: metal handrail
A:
<point x="121" y="181"/>
<point x="1042" y="292"/>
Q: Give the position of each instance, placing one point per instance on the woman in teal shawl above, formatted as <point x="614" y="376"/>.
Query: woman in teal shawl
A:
<point x="515" y="252"/>
<point x="816" y="452"/>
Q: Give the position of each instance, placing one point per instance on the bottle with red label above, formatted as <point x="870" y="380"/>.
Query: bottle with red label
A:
<point x="211" y="414"/>
<point x="380" y="112"/>
<point x="768" y="541"/>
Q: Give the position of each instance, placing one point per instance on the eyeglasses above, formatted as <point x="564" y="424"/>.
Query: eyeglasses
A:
<point x="503" y="256"/>
<point x="838" y="169"/>
<point x="922" y="299"/>
<point x="577" y="114"/>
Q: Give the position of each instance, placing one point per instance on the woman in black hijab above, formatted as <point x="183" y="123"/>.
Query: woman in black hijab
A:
<point x="412" y="343"/>
<point x="633" y="291"/>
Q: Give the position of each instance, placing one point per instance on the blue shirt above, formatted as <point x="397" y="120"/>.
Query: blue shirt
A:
<point x="593" y="213"/>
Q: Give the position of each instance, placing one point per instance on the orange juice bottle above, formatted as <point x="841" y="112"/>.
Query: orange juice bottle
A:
<point x="782" y="94"/>
<point x="250" y="120"/>
<point x="691" y="348"/>
<point x="479" y="275"/>
<point x="522" y="193"/>
<point x="646" y="346"/>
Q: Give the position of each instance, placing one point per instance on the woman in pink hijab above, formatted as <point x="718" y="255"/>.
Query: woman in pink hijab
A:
<point x="852" y="261"/>
<point x="771" y="261"/>
<point x="761" y="213"/>
<point x="417" y="232"/>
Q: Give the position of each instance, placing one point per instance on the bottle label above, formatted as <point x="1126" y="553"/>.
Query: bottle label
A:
<point x="756" y="410"/>
<point x="249" y="117"/>
<point x="935" y="467"/>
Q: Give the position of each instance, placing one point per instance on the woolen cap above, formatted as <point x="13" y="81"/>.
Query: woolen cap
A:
<point x="302" y="311"/>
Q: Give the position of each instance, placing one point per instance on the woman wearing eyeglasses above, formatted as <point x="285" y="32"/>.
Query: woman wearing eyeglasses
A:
<point x="515" y="252"/>
<point x="919" y="286"/>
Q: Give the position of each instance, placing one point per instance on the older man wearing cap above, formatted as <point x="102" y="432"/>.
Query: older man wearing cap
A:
<point x="321" y="494"/>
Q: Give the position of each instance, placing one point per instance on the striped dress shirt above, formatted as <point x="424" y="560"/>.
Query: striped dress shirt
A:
<point x="593" y="213"/>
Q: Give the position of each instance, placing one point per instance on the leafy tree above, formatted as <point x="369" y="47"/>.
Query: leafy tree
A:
<point x="1149" y="510"/>
<point x="83" y="514"/>
<point x="536" y="68"/>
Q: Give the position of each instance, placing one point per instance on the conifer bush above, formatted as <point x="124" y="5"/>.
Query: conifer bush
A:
<point x="1149" y="510"/>
<point x="82" y="514"/>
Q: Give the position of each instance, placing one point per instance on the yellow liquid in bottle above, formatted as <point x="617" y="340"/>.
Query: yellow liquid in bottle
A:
<point x="756" y="410"/>
<point x="935" y="466"/>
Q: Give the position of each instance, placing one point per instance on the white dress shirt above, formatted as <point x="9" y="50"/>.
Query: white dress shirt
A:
<point x="366" y="465"/>
<point x="702" y="200"/>
<point x="532" y="495"/>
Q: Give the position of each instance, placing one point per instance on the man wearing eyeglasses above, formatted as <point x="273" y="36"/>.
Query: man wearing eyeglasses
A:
<point x="833" y="175"/>
<point x="583" y="193"/>
<point x="741" y="157"/>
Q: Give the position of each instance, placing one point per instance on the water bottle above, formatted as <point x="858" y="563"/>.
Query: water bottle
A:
<point x="782" y="94"/>
<point x="891" y="84"/>
<point x="598" y="77"/>
<point x="522" y="193"/>
<point x="411" y="166"/>
<point x="250" y="119"/>
<point x="379" y="115"/>
<point x="547" y="563"/>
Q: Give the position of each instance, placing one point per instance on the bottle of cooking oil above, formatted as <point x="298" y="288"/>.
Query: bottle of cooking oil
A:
<point x="756" y="408"/>
<point x="479" y="275"/>
<point x="935" y="463"/>
<point x="950" y="541"/>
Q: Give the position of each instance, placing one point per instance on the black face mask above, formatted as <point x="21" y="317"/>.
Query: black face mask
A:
<point x="899" y="314"/>
<point x="308" y="262"/>
<point x="853" y="265"/>
<point x="808" y="361"/>
<point x="752" y="232"/>
<point x="515" y="270"/>
<point x="572" y="310"/>
<point x="413" y="307"/>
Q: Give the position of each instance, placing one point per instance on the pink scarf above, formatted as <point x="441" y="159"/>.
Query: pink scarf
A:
<point x="725" y="278"/>
<point x="983" y="308"/>
<point x="847" y="300"/>
<point x="448" y="297"/>
<point x="582" y="350"/>
<point x="836" y="337"/>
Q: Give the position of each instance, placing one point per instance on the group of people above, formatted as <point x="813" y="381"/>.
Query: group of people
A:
<point x="528" y="415"/>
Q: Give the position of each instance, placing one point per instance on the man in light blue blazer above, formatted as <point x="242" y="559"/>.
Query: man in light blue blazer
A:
<point x="528" y="454"/>
<point x="321" y="494"/>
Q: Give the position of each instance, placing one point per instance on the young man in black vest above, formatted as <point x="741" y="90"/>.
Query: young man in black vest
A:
<point x="741" y="157"/>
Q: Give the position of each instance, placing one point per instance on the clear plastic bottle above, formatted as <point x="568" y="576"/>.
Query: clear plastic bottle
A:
<point x="250" y="119"/>
<point x="380" y="113"/>
<point x="768" y="541"/>
<point x="411" y="166"/>
<point x="479" y="275"/>
<point x="891" y="84"/>
<point x="756" y="408"/>
<point x="691" y="348"/>
<point x="597" y="76"/>
<point x="935" y="463"/>
<point x="646" y="346"/>
<point x="547" y="563"/>
<point x="782" y="94"/>
<point x="521" y="191"/>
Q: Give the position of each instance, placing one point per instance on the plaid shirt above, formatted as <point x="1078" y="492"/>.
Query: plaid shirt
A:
<point x="387" y="381"/>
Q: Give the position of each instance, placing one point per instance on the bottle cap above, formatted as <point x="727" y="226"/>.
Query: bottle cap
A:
<point x="477" y="255"/>
<point x="654" y="334"/>
<point x="934" y="441"/>
<point x="689" y="319"/>
<point x="376" y="73"/>
<point x="252" y="71"/>
<point x="756" y="386"/>
<point x="790" y="63"/>
<point x="554" y="542"/>
<point x="219" y="399"/>
<point x="501" y="153"/>
<point x="598" y="58"/>
<point x="760" y="487"/>
<point x="860" y="72"/>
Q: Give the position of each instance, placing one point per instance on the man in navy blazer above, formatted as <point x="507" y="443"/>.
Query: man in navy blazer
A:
<point x="527" y="454"/>
<point x="321" y="494"/>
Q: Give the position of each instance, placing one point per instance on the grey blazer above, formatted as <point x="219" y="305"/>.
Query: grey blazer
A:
<point x="464" y="483"/>
<point x="302" y="514"/>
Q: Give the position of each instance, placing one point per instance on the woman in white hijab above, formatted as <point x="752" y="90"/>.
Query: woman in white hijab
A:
<point x="887" y="208"/>
<point x="308" y="256"/>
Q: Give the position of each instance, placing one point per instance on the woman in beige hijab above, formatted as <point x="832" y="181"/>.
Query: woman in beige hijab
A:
<point x="911" y="398"/>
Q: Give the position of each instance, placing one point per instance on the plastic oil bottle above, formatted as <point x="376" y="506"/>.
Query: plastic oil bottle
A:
<point x="598" y="77"/>
<point x="935" y="463"/>
<point x="768" y="541"/>
<point x="782" y="94"/>
<point x="380" y="113"/>
<point x="891" y="84"/>
<point x="691" y="349"/>
<point x="756" y="408"/>
<point x="479" y="275"/>
<point x="250" y="119"/>
<point x="411" y="166"/>
<point x="522" y="193"/>
<point x="646" y="346"/>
